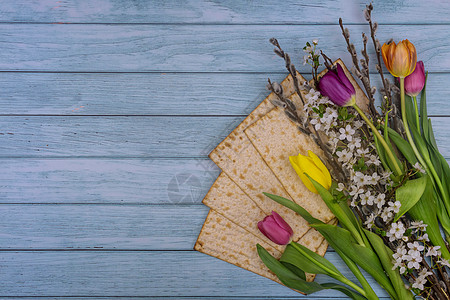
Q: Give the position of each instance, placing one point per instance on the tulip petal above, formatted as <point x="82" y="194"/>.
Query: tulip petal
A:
<point x="331" y="86"/>
<point x="322" y="168"/>
<point x="301" y="172"/>
<point x="270" y="228"/>
<point x="282" y="223"/>
<point x="307" y="165"/>
<point x="344" y="79"/>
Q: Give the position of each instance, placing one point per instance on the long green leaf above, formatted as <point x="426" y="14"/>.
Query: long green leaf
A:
<point x="308" y="261"/>
<point x="290" y="279"/>
<point x="402" y="145"/>
<point x="295" y="207"/>
<point x="408" y="194"/>
<point x="347" y="220"/>
<point x="385" y="256"/>
<point x="344" y="290"/>
<point x="423" y="110"/>
<point x="426" y="210"/>
<point x="365" y="258"/>
<point x="286" y="276"/>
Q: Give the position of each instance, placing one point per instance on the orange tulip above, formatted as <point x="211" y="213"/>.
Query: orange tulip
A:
<point x="400" y="59"/>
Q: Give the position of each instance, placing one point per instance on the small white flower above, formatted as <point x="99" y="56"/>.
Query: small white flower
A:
<point x="373" y="160"/>
<point x="424" y="273"/>
<point x="358" y="124"/>
<point x="405" y="238"/>
<point x="359" y="178"/>
<point x="340" y="187"/>
<point x="401" y="265"/>
<point x="370" y="221"/>
<point x="394" y="206"/>
<point x="315" y="41"/>
<point x="414" y="262"/>
<point x="316" y="123"/>
<point x="444" y="262"/>
<point x="419" y="167"/>
<point x="424" y="238"/>
<point x="386" y="214"/>
<point x="433" y="251"/>
<point x="420" y="225"/>
<point x="418" y="284"/>
<point x="379" y="200"/>
<point x="362" y="151"/>
<point x="415" y="246"/>
<point x="346" y="133"/>
<point x="397" y="230"/>
<point x="367" y="198"/>
<point x="400" y="253"/>
<point x="344" y="155"/>
<point x="368" y="179"/>
<point x="355" y="143"/>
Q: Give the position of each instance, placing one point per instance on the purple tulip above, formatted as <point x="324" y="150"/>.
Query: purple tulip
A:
<point x="336" y="86"/>
<point x="415" y="81"/>
<point x="276" y="229"/>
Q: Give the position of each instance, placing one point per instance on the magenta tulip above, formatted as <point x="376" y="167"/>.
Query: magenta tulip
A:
<point x="276" y="229"/>
<point x="337" y="87"/>
<point x="415" y="81"/>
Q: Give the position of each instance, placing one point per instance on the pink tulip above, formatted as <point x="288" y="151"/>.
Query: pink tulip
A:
<point x="276" y="229"/>
<point x="415" y="81"/>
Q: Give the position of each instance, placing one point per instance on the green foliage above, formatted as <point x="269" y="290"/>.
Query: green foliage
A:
<point x="408" y="194"/>
<point x="292" y="280"/>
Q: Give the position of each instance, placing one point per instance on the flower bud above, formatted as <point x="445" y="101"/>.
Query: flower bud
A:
<point x="336" y="86"/>
<point x="415" y="81"/>
<point x="314" y="167"/>
<point x="275" y="228"/>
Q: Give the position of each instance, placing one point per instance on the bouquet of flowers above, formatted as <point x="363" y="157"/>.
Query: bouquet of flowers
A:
<point x="379" y="172"/>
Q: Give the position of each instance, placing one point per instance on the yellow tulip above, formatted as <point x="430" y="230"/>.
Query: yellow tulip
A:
<point x="400" y="59"/>
<point x="314" y="167"/>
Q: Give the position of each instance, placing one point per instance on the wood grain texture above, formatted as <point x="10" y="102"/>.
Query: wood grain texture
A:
<point x="158" y="93"/>
<point x="122" y="137"/>
<point x="193" y="48"/>
<point x="101" y="227"/>
<point x="106" y="121"/>
<point x="223" y="12"/>
<point x="141" y="273"/>
<point x="106" y="181"/>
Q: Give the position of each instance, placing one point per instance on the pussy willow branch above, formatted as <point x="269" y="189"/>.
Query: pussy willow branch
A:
<point x="289" y="66"/>
<point x="376" y="43"/>
<point x="361" y="74"/>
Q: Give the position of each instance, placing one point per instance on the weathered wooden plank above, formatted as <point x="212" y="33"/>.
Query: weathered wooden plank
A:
<point x="192" y="48"/>
<point x="124" y="137"/>
<point x="137" y="273"/>
<point x="122" y="227"/>
<point x="224" y="12"/>
<point x="112" y="136"/>
<point x="157" y="94"/>
<point x="106" y="181"/>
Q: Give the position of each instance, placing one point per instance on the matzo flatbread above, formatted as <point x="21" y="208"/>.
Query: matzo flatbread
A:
<point x="225" y="240"/>
<point x="276" y="138"/>
<point x="226" y="198"/>
<point x="237" y="157"/>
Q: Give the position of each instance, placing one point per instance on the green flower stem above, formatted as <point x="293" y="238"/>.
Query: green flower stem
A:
<point x="370" y="294"/>
<point x="333" y="274"/>
<point x="426" y="163"/>
<point x="398" y="170"/>
<point x="417" y="113"/>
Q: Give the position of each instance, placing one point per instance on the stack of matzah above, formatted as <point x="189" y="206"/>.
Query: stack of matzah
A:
<point x="254" y="158"/>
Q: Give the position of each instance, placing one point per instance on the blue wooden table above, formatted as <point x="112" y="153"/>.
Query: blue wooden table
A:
<point x="109" y="109"/>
